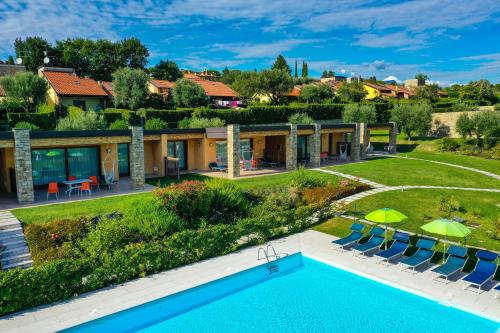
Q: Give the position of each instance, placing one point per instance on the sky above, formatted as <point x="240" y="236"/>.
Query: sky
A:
<point x="452" y="41"/>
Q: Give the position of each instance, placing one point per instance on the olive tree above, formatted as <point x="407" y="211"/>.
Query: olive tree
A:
<point x="130" y="86"/>
<point x="189" y="94"/>
<point x="412" y="118"/>
<point x="315" y="93"/>
<point x="359" y="113"/>
<point x="27" y="87"/>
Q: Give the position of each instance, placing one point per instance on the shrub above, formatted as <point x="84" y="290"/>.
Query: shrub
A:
<point x="301" y="180"/>
<point x="464" y="125"/>
<point x="448" y="205"/>
<point x="79" y="120"/>
<point x="228" y="201"/>
<point x="359" y="113"/>
<point x="48" y="241"/>
<point x="189" y="94"/>
<point x="300" y="119"/>
<point x="10" y="105"/>
<point x="450" y="144"/>
<point x="45" y="108"/>
<point x="189" y="199"/>
<point x="155" y="124"/>
<point x="196" y="122"/>
<point x="25" y="124"/>
<point x="44" y="121"/>
<point x="119" y="124"/>
<point x="151" y="220"/>
<point x="320" y="196"/>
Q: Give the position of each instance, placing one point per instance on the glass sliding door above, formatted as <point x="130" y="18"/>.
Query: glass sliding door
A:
<point x="302" y="152"/>
<point x="49" y="165"/>
<point x="178" y="149"/>
<point x="221" y="150"/>
<point x="123" y="159"/>
<point x="83" y="162"/>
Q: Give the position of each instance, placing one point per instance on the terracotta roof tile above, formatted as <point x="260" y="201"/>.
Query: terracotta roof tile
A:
<point x="108" y="88"/>
<point x="295" y="91"/>
<point x="212" y="88"/>
<point x="162" y="83"/>
<point x="71" y="85"/>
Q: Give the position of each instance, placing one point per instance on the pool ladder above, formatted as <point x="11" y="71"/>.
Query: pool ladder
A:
<point x="272" y="258"/>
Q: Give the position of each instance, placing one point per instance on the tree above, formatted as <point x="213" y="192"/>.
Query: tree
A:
<point x="428" y="92"/>
<point x="372" y="79"/>
<point x="31" y="51"/>
<point x="195" y="122"/>
<point x="26" y="86"/>
<point x="464" y="125"/>
<point x="352" y="91"/>
<point x="10" y="61"/>
<point x="296" y="74"/>
<point x="305" y="69"/>
<point x="486" y="124"/>
<point x="300" y="119"/>
<point x="189" y="94"/>
<point x="166" y="70"/>
<point x="132" y="53"/>
<point x="359" y="113"/>
<point x="213" y="72"/>
<point x="130" y="86"/>
<point x="280" y="63"/>
<point x="485" y="91"/>
<point x="412" y="118"/>
<point x="421" y="78"/>
<point x="275" y="84"/>
<point x="315" y="93"/>
<point x="229" y="75"/>
<point x="324" y="74"/>
<point x="331" y="73"/>
<point x="79" y="120"/>
<point x="469" y="92"/>
<point x="246" y="84"/>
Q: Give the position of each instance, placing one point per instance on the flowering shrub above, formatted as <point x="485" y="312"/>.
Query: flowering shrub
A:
<point x="321" y="196"/>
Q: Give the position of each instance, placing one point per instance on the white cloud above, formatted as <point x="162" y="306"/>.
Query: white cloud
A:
<point x="261" y="50"/>
<point x="402" y="40"/>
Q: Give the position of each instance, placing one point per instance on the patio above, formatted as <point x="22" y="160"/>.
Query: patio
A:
<point x="121" y="188"/>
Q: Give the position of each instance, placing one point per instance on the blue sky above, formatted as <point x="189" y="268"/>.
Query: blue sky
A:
<point x="453" y="41"/>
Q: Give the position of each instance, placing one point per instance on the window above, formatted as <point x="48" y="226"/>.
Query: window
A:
<point x="81" y="104"/>
<point x="123" y="162"/>
<point x="302" y="152"/>
<point x="221" y="150"/>
<point x="178" y="149"/>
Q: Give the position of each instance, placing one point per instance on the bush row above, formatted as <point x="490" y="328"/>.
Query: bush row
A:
<point x="45" y="121"/>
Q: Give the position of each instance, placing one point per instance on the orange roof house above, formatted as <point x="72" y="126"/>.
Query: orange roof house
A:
<point x="67" y="89"/>
<point x="108" y="88"/>
<point x="161" y="87"/>
<point x="214" y="89"/>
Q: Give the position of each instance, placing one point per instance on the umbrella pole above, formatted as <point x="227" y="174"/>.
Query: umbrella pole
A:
<point x="385" y="236"/>
<point x="444" y="248"/>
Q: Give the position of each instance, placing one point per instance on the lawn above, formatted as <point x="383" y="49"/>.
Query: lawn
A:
<point x="43" y="214"/>
<point x="479" y="209"/>
<point x="397" y="171"/>
<point x="430" y="149"/>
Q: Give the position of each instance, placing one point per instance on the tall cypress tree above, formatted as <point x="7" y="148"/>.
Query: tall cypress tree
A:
<point x="296" y="70"/>
<point x="281" y="63"/>
<point x="305" y="69"/>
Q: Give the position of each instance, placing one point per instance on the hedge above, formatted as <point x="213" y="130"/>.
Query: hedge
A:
<point x="7" y="106"/>
<point x="45" y="121"/>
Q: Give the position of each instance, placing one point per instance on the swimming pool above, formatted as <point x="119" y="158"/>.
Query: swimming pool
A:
<point x="305" y="296"/>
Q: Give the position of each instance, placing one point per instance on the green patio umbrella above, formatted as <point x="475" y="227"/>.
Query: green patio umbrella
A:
<point x="386" y="216"/>
<point x="446" y="228"/>
<point x="53" y="153"/>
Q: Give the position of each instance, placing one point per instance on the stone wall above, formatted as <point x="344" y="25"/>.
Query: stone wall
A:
<point x="365" y="139"/>
<point x="355" y="148"/>
<point x="23" y="166"/>
<point x="137" y="173"/>
<point x="291" y="148"/>
<point x="314" y="143"/>
<point x="233" y="151"/>
<point x="443" y="124"/>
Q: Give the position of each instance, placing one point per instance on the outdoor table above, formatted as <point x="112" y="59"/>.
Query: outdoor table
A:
<point x="73" y="184"/>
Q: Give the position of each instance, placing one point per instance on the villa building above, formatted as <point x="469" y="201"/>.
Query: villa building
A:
<point x="67" y="89"/>
<point x="30" y="160"/>
<point x="161" y="87"/>
<point x="218" y="92"/>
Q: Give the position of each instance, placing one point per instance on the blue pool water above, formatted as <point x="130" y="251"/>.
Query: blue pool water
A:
<point x="306" y="296"/>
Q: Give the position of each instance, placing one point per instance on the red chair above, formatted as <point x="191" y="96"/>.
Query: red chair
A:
<point x="94" y="182"/>
<point x="85" y="187"/>
<point x="71" y="178"/>
<point x="53" y="189"/>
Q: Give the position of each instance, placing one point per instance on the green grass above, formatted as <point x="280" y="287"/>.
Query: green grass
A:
<point x="479" y="209"/>
<point x="44" y="214"/>
<point x="397" y="171"/>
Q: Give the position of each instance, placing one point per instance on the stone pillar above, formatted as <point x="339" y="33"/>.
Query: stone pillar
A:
<point x="291" y="148"/>
<point x="393" y="137"/>
<point x="314" y="146"/>
<point x="137" y="178"/>
<point x="355" y="148"/>
<point x="365" y="139"/>
<point x="24" y="168"/>
<point x="233" y="151"/>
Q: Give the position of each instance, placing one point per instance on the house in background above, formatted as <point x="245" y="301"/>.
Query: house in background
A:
<point x="67" y="89"/>
<point x="107" y="86"/>
<point x="161" y="87"/>
<point x="218" y="92"/>
<point x="376" y="90"/>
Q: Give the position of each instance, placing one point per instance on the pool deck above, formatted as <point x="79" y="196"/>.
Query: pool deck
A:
<point x="313" y="244"/>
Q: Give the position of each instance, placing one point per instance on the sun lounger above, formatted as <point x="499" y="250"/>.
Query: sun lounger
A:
<point x="422" y="256"/>
<point x="497" y="291"/>
<point x="398" y="247"/>
<point x="455" y="262"/>
<point x="216" y="167"/>
<point x="376" y="239"/>
<point x="483" y="272"/>
<point x="354" y="236"/>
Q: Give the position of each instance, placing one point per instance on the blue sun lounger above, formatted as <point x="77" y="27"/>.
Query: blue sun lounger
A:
<point x="422" y="256"/>
<point x="376" y="239"/>
<point x="398" y="247"/>
<point x="497" y="291"/>
<point x="483" y="272"/>
<point x="354" y="236"/>
<point x="455" y="262"/>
